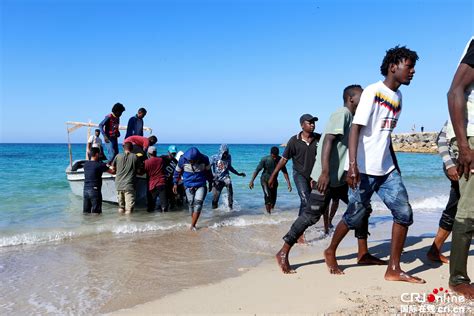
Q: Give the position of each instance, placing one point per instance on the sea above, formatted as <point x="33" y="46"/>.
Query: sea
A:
<point x="55" y="260"/>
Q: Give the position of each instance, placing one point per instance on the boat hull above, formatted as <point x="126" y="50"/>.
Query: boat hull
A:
<point x="109" y="193"/>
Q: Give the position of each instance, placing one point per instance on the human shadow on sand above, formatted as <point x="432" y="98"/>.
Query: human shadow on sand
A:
<point x="382" y="251"/>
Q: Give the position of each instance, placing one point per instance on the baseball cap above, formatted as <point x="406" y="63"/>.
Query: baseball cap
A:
<point x="151" y="149"/>
<point x="172" y="149"/>
<point x="308" y="117"/>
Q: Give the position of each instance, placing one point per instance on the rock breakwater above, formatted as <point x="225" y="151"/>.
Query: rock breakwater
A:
<point x="415" y="142"/>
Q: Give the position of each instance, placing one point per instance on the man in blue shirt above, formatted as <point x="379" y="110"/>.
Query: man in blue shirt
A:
<point x="135" y="124"/>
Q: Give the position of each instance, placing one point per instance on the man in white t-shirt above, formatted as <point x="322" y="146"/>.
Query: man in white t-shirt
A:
<point x="94" y="141"/>
<point x="372" y="165"/>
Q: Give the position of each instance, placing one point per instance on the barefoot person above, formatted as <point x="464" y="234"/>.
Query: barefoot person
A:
<point x="328" y="170"/>
<point x="372" y="165"/>
<point x="195" y="170"/>
<point x="268" y="164"/>
<point x="461" y="111"/>
<point x="447" y="218"/>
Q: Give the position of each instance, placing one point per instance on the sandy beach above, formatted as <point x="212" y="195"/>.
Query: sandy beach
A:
<point x="362" y="290"/>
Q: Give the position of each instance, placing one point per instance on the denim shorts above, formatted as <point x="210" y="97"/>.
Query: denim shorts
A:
<point x="391" y="191"/>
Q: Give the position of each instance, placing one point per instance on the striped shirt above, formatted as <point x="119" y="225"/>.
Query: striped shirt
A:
<point x="445" y="150"/>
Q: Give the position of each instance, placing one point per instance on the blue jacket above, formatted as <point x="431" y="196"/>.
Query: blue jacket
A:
<point x="222" y="165"/>
<point x="193" y="174"/>
<point x="134" y="127"/>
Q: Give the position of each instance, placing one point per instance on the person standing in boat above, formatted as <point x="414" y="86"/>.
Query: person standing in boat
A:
<point x="93" y="170"/>
<point x="95" y="141"/>
<point x="109" y="128"/>
<point x="126" y="166"/>
<point x="195" y="170"/>
<point x="135" y="124"/>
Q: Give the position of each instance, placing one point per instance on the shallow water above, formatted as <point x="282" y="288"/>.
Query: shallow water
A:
<point x="55" y="260"/>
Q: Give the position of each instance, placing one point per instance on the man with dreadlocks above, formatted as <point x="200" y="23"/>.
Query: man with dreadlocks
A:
<point x="372" y="165"/>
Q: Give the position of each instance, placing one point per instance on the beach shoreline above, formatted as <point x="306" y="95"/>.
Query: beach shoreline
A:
<point x="362" y="289"/>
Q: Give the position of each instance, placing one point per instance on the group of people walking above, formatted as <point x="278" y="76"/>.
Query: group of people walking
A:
<point x="355" y="159"/>
<point x="351" y="161"/>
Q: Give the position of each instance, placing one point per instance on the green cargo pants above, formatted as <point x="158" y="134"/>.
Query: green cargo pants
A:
<point x="463" y="230"/>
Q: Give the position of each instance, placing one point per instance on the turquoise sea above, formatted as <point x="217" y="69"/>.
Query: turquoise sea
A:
<point x="55" y="260"/>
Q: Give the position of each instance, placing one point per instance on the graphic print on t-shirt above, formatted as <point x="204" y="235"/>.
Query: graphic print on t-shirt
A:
<point x="388" y="124"/>
<point x="391" y="105"/>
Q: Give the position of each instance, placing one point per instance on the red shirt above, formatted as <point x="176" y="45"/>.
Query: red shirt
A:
<point x="155" y="169"/>
<point x="138" y="140"/>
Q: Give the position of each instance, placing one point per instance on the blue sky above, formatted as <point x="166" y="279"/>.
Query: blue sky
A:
<point x="216" y="71"/>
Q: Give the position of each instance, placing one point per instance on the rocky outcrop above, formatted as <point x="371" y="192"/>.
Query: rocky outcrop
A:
<point x="415" y="142"/>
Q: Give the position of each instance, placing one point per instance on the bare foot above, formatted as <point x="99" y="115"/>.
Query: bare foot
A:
<point x="283" y="262"/>
<point x="331" y="262"/>
<point x="464" y="289"/>
<point x="368" y="259"/>
<point x="193" y="228"/>
<point x="399" y="275"/>
<point x="435" y="256"/>
<point x="301" y="240"/>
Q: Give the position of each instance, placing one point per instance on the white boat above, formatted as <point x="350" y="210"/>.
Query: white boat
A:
<point x="75" y="172"/>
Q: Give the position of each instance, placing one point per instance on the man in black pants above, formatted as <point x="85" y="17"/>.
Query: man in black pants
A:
<point x="329" y="172"/>
<point x="93" y="170"/>
<point x="302" y="149"/>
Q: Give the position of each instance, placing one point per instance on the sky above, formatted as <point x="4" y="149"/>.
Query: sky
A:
<point x="228" y="71"/>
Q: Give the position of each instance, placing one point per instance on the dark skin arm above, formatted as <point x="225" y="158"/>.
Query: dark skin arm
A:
<point x="279" y="166"/>
<point x="323" y="181"/>
<point x="287" y="179"/>
<point x="353" y="177"/>
<point x="231" y="169"/>
<point x="253" y="179"/>
<point x="177" y="176"/>
<point x="463" y="77"/>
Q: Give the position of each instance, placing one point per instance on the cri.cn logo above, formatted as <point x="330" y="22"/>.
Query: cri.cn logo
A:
<point x="439" y="295"/>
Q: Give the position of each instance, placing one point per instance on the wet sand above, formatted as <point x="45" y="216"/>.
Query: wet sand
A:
<point x="361" y="290"/>
<point x="105" y="273"/>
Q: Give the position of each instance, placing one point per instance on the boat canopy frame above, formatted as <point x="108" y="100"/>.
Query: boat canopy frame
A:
<point x="73" y="126"/>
